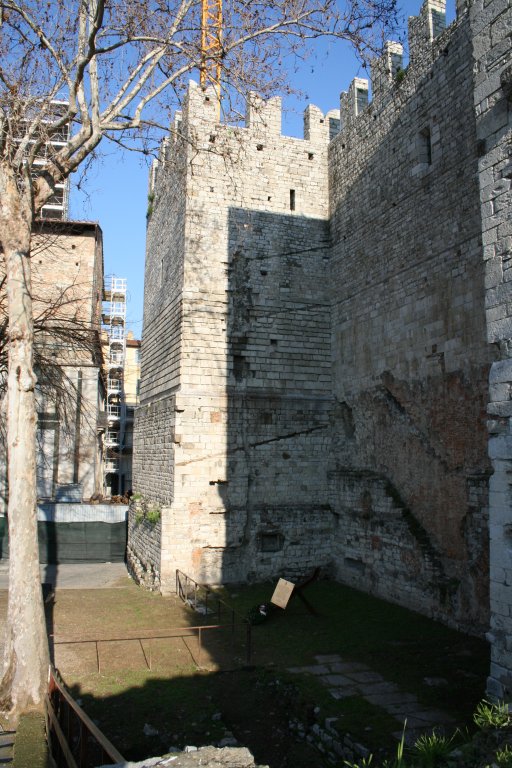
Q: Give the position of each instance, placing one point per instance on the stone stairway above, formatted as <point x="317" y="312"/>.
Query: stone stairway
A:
<point x="6" y="747"/>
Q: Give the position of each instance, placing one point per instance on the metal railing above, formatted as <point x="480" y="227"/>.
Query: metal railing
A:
<point x="144" y="639"/>
<point x="74" y="740"/>
<point x="114" y="385"/>
<point x="203" y="599"/>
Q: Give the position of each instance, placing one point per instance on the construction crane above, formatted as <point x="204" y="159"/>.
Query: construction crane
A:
<point x="211" y="43"/>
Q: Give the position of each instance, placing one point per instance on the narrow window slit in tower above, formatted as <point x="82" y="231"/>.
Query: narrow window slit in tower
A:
<point x="292" y="199"/>
<point x="425" y="146"/>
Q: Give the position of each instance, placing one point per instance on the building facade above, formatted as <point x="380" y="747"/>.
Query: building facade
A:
<point x="323" y="319"/>
<point x="67" y="282"/>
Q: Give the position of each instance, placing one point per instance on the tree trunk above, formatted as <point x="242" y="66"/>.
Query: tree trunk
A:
<point x="26" y="658"/>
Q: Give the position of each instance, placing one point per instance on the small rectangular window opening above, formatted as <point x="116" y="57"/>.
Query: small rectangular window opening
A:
<point x="270" y="542"/>
<point x="292" y="199"/>
<point x="425" y="147"/>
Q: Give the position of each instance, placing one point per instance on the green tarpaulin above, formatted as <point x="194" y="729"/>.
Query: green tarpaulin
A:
<point x="79" y="542"/>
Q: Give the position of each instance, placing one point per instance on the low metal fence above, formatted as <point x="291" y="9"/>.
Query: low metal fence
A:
<point x="144" y="639"/>
<point x="204" y="600"/>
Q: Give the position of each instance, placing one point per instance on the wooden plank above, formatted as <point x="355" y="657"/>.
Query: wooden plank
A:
<point x="102" y="740"/>
<point x="68" y="756"/>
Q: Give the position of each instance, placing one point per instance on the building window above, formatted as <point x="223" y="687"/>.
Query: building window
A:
<point x="270" y="542"/>
<point x="425" y="147"/>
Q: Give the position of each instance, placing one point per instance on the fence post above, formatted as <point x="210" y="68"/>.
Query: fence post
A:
<point x="249" y="641"/>
<point x="83" y="745"/>
<point x="200" y="654"/>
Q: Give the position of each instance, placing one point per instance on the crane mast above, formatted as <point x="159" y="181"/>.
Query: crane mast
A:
<point x="211" y="43"/>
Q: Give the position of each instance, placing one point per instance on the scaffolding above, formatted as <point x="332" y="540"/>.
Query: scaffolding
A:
<point x="114" y="326"/>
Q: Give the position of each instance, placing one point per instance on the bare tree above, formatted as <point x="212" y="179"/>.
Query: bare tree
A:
<point x="118" y="66"/>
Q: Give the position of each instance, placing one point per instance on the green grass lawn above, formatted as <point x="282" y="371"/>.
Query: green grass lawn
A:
<point x="404" y="647"/>
<point x="256" y="704"/>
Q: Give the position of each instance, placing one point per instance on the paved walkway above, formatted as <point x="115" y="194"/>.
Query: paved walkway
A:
<point x="348" y="678"/>
<point x="76" y="575"/>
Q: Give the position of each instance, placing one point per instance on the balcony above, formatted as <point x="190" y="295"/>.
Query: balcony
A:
<point x="115" y="286"/>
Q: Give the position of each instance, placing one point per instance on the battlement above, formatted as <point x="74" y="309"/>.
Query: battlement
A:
<point x="263" y="118"/>
<point x="388" y="69"/>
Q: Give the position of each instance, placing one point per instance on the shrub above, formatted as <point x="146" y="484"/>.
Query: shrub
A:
<point x="492" y="715"/>
<point x="432" y="750"/>
<point x="153" y="515"/>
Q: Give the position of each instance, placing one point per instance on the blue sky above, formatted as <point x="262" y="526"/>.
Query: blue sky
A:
<point x="115" y="190"/>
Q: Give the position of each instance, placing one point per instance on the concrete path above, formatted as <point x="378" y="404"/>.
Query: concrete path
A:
<point x="76" y="575"/>
<point x="348" y="678"/>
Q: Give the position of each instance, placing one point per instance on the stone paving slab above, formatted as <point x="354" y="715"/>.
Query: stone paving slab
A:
<point x="345" y="679"/>
<point x="345" y="666"/>
<point x="337" y="680"/>
<point x="385" y="699"/>
<point x="381" y="688"/>
<point x="365" y="677"/>
<point x="342" y="693"/>
<point x="319" y="669"/>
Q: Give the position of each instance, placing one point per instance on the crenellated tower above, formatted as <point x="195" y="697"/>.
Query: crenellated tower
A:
<point x="232" y="430"/>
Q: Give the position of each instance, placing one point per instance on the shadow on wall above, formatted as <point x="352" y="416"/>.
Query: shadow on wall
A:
<point x="270" y="420"/>
<point x="410" y="353"/>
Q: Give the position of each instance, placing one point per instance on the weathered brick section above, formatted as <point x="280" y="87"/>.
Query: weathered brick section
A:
<point x="410" y="354"/>
<point x="491" y="23"/>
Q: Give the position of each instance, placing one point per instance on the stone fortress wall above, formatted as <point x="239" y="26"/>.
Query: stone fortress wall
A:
<point x="236" y="383"/>
<point x="410" y="354"/>
<point x="321" y="316"/>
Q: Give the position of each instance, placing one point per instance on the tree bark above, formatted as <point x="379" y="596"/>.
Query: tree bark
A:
<point x="25" y="665"/>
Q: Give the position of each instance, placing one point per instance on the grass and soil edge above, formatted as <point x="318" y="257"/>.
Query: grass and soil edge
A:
<point x="31" y="746"/>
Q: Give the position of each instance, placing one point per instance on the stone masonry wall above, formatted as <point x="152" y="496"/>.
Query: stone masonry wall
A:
<point x="317" y="331"/>
<point x="253" y="382"/>
<point x="410" y="354"/>
<point x="491" y="23"/>
<point x="144" y="547"/>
